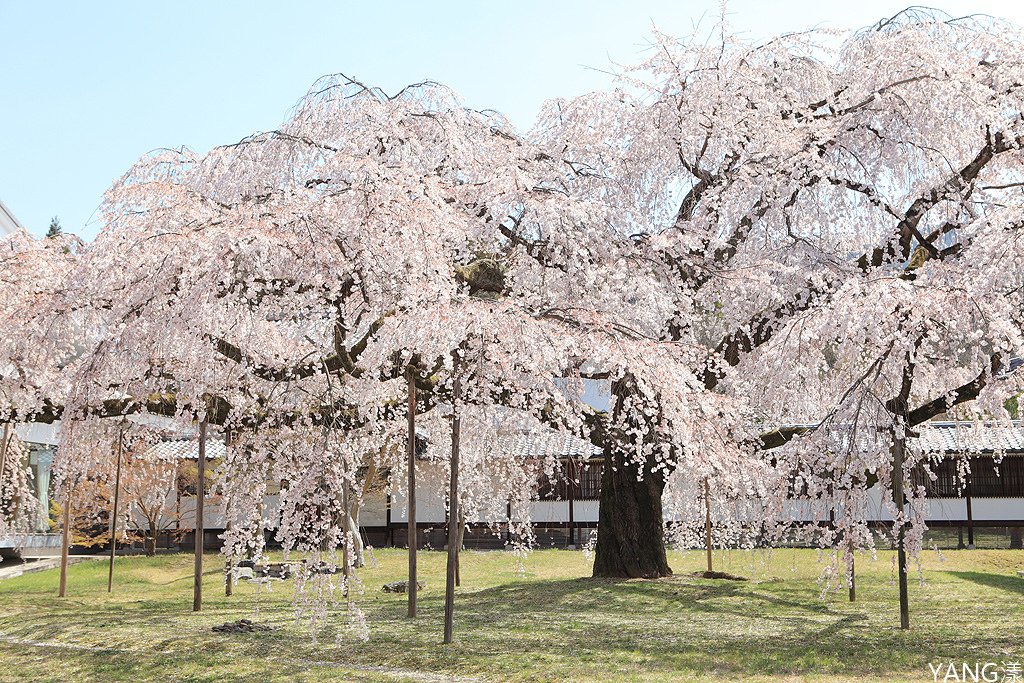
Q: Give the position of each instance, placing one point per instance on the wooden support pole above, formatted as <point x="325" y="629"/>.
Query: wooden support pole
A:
<point x="853" y="575"/>
<point x="113" y="519"/>
<point x="571" y="495"/>
<point x="899" y="445"/>
<point x="508" y="524"/>
<point x="3" y="456"/>
<point x="458" y="555"/>
<point x="411" y="453"/>
<point x="197" y="574"/>
<point x="707" y="521"/>
<point x="346" y="551"/>
<point x="970" y="515"/>
<point x="453" y="519"/>
<point x="228" y="582"/>
<point x="901" y="554"/>
<point x="65" y="545"/>
<point x="387" y="520"/>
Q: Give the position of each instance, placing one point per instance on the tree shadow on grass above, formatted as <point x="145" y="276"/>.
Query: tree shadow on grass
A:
<point x="80" y="616"/>
<point x="668" y="625"/>
<point x="686" y="595"/>
<point x="1010" y="584"/>
<point x="218" y="571"/>
<point x="586" y="626"/>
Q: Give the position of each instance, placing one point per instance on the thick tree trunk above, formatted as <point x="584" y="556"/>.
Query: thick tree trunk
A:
<point x="631" y="527"/>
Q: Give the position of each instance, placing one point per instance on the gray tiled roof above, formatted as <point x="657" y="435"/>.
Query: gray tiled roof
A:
<point x="187" y="448"/>
<point x="968" y="437"/>
<point x="8" y="223"/>
<point x="949" y="437"/>
<point x="543" y="444"/>
<point x="547" y="443"/>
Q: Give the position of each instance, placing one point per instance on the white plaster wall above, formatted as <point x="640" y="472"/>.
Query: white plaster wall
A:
<point x="374" y="510"/>
<point x="430" y="508"/>
<point x="430" y="487"/>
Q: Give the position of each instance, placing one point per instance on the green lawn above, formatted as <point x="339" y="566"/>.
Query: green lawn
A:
<point x="549" y="622"/>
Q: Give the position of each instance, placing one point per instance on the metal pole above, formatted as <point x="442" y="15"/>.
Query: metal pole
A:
<point x="197" y="574"/>
<point x="117" y="500"/>
<point x="453" y="519"/>
<point x="411" y="452"/>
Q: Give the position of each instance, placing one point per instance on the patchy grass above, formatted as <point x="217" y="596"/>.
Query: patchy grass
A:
<point x="546" y="622"/>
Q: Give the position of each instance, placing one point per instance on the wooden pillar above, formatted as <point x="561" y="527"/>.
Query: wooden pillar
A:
<point x="898" y="452"/>
<point x="571" y="494"/>
<point x="177" y="501"/>
<point x="458" y="554"/>
<point x="707" y="521"/>
<point x="411" y="453"/>
<point x="1016" y="538"/>
<point x="197" y="574"/>
<point x="113" y="519"/>
<point x="65" y="545"/>
<point x="970" y="515"/>
<point x="228" y="563"/>
<point x="346" y="550"/>
<point x="228" y="582"/>
<point x="453" y="518"/>
<point x="853" y="576"/>
<point x="3" y="456"/>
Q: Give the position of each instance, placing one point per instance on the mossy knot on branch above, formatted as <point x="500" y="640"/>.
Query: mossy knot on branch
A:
<point x="485" y="276"/>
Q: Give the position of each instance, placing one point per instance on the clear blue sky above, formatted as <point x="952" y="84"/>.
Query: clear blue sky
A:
<point x="88" y="87"/>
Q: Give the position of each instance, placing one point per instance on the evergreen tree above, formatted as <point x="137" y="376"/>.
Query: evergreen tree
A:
<point x="54" y="230"/>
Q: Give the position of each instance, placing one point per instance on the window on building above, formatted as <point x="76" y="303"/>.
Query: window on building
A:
<point x="575" y="479"/>
<point x="987" y="478"/>
<point x="1003" y="480"/>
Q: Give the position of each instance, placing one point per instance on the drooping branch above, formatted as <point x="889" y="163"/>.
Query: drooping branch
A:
<point x="898" y="249"/>
<point x="762" y="329"/>
<point x="962" y="394"/>
<point x="343" y="361"/>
